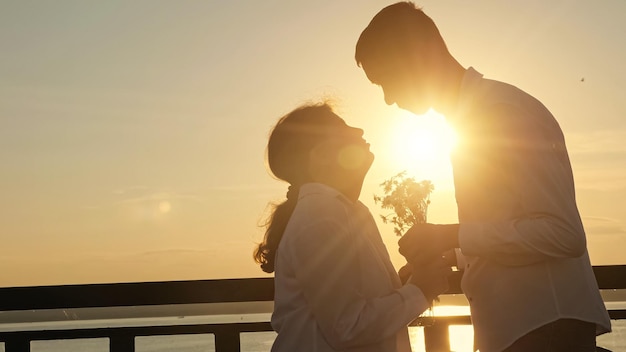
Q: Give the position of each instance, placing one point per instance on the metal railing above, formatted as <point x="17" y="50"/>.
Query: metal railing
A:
<point x="227" y="335"/>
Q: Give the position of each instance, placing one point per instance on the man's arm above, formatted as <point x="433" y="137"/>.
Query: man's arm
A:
<point x="545" y="222"/>
<point x="548" y="224"/>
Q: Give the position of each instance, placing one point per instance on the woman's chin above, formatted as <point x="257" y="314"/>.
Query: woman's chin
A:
<point x="354" y="157"/>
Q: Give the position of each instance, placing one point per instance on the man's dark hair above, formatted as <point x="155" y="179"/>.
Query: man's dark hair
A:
<point x="395" y="31"/>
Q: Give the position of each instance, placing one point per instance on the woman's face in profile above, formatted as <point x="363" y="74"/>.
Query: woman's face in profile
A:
<point x="344" y="146"/>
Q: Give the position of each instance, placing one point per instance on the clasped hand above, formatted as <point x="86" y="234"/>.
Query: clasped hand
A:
<point x="431" y="279"/>
<point x="426" y="243"/>
<point x="423" y="247"/>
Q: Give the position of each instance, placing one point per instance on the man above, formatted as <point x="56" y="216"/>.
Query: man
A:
<point x="527" y="273"/>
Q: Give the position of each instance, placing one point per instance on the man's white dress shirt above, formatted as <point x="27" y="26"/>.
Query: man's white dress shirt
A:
<point x="335" y="286"/>
<point x="526" y="258"/>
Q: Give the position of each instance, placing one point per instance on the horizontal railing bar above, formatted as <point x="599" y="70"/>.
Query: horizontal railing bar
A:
<point x="137" y="331"/>
<point x="448" y="320"/>
<point x="227" y="335"/>
<point x="201" y="329"/>
<point x="187" y="329"/>
<point x="617" y="314"/>
<point x="136" y="294"/>
<point x="610" y="276"/>
<point x="222" y="331"/>
<point x="191" y="292"/>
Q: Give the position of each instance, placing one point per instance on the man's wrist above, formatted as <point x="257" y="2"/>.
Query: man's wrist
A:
<point x="452" y="236"/>
<point x="448" y="235"/>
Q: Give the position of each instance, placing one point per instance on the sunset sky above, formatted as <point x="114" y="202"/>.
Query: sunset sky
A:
<point x="133" y="133"/>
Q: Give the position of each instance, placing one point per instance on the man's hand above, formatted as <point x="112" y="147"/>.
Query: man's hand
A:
<point x="432" y="278"/>
<point x="426" y="243"/>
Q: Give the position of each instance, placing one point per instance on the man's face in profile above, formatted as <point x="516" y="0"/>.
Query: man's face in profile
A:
<point x="402" y="82"/>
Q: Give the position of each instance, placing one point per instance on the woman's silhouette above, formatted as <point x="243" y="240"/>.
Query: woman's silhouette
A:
<point x="335" y="286"/>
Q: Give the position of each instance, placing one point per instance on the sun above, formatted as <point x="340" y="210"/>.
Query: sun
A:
<point x="421" y="144"/>
<point x="422" y="137"/>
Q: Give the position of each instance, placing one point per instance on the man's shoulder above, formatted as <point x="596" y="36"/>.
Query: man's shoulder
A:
<point x="493" y="92"/>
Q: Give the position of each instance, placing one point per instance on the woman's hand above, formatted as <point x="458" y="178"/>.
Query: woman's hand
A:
<point x="405" y="273"/>
<point x="431" y="278"/>
<point x="449" y="257"/>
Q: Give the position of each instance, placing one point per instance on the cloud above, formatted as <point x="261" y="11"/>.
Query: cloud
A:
<point x="602" y="226"/>
<point x="597" y="142"/>
<point x="161" y="196"/>
<point x="130" y="190"/>
<point x="141" y="195"/>
<point x="599" y="159"/>
<point x="177" y="251"/>
<point x="256" y="187"/>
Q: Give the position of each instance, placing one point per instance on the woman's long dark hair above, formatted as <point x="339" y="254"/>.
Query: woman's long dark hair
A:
<point x="265" y="253"/>
<point x="288" y="149"/>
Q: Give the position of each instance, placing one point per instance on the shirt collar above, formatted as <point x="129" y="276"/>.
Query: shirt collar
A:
<point x="320" y="188"/>
<point x="469" y="85"/>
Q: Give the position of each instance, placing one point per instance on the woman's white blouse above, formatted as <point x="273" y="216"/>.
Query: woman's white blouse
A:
<point x="335" y="286"/>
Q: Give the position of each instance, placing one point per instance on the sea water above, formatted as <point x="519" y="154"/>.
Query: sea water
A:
<point x="262" y="342"/>
<point x="460" y="336"/>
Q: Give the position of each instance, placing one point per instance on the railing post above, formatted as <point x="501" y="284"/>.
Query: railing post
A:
<point x="227" y="340"/>
<point x="17" y="344"/>
<point x="121" y="343"/>
<point x="436" y="337"/>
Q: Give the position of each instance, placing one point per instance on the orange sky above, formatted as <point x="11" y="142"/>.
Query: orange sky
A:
<point x="132" y="134"/>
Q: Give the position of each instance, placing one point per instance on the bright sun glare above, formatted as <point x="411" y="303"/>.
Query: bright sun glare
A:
<point x="422" y="144"/>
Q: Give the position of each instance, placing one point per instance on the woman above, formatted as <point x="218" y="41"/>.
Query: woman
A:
<point x="335" y="286"/>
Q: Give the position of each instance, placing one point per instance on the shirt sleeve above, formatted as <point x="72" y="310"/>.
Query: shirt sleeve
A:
<point x="327" y="267"/>
<point x="546" y="224"/>
<point x="461" y="261"/>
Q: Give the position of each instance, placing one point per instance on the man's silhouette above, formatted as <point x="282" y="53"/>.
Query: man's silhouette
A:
<point x="527" y="273"/>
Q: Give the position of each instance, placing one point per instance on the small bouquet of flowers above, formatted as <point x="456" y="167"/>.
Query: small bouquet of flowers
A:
<point x="408" y="198"/>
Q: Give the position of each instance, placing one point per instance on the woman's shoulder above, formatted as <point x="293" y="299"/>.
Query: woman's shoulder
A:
<point x="320" y="215"/>
<point x="320" y="200"/>
<point x="322" y="207"/>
